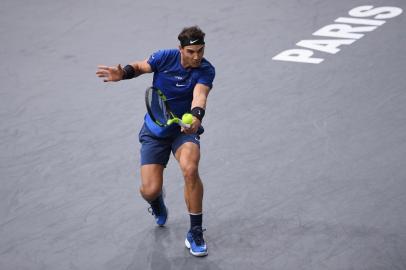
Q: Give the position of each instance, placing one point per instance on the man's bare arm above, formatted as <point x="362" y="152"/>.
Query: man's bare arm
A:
<point x="116" y="73"/>
<point x="200" y="94"/>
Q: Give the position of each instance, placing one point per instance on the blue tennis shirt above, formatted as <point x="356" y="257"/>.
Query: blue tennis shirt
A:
<point x="177" y="84"/>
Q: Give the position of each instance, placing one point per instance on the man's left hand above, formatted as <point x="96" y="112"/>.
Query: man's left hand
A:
<point x="193" y="127"/>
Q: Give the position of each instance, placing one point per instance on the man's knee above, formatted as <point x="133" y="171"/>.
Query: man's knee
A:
<point x="150" y="192"/>
<point x="190" y="172"/>
<point x="151" y="181"/>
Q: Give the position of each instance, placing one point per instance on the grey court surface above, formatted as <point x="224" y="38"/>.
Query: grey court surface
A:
<point x="304" y="165"/>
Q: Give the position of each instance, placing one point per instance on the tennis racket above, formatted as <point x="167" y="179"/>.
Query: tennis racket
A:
<point x="158" y="109"/>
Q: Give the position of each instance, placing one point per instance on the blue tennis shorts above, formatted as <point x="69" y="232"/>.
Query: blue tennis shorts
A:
<point x="156" y="150"/>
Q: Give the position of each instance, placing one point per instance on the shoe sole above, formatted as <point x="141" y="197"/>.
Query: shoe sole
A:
<point x="197" y="254"/>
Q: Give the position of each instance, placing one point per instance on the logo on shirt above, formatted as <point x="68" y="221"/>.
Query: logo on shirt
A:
<point x="180" y="85"/>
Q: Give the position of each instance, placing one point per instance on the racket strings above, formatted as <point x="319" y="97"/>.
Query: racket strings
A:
<point x="158" y="108"/>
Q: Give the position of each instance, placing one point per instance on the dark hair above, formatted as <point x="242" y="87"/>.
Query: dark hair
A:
<point x="191" y="33"/>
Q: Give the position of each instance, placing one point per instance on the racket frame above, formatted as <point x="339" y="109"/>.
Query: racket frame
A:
<point x="167" y="111"/>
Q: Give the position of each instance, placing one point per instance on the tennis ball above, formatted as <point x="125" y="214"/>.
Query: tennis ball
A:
<point x="187" y="118"/>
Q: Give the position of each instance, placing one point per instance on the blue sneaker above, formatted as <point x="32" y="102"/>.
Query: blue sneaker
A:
<point x="161" y="213"/>
<point x="195" y="243"/>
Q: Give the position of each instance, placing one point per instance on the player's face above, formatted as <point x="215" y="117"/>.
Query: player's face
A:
<point x="192" y="55"/>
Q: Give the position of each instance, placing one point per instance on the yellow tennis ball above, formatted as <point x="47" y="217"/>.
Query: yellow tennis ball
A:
<point x="187" y="118"/>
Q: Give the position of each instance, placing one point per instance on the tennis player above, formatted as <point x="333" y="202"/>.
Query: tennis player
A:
<point x="185" y="78"/>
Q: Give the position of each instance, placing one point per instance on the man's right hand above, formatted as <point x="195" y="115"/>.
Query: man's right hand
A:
<point x="110" y="74"/>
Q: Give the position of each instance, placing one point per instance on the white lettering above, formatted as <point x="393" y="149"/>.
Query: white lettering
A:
<point x="359" y="21"/>
<point x="298" y="55"/>
<point x="381" y="12"/>
<point x="325" y="45"/>
<point x="343" y="31"/>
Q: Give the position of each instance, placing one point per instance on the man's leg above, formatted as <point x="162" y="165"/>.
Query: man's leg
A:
<point x="151" y="181"/>
<point x="188" y="156"/>
<point x="154" y="154"/>
<point x="151" y="191"/>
